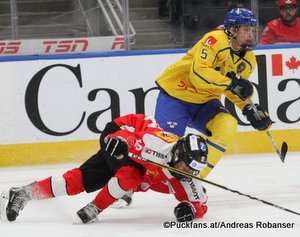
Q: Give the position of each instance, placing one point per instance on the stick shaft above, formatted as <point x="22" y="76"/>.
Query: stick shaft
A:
<point x="268" y="133"/>
<point x="221" y="186"/>
<point x="274" y="144"/>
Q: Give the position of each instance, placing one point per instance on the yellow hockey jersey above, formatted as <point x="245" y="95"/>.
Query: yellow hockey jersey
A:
<point x="201" y="74"/>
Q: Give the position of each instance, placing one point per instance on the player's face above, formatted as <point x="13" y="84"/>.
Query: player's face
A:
<point x="288" y="13"/>
<point x="181" y="165"/>
<point x="246" y="36"/>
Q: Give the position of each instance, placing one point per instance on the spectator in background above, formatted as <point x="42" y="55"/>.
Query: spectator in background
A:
<point x="285" y="29"/>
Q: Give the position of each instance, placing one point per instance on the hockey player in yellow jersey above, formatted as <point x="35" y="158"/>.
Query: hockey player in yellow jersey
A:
<point x="220" y="63"/>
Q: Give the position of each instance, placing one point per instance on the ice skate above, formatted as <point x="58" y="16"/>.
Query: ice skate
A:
<point x="89" y="213"/>
<point x="17" y="199"/>
<point x="124" y="201"/>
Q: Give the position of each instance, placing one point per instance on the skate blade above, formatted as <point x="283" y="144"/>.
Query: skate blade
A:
<point x="77" y="221"/>
<point x="3" y="203"/>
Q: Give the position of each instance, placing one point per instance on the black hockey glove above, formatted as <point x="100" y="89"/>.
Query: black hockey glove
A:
<point x="184" y="211"/>
<point x="240" y="86"/>
<point x="110" y="127"/>
<point x="116" y="147"/>
<point x="260" y="120"/>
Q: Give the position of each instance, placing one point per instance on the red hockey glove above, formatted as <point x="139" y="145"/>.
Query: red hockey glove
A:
<point x="201" y="209"/>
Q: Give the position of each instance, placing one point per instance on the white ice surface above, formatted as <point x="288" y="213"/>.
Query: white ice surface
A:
<point x="262" y="176"/>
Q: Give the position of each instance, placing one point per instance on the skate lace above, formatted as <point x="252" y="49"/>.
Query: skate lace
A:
<point x="19" y="200"/>
<point x="91" y="211"/>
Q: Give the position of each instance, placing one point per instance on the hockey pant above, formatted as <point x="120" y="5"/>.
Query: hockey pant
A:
<point x="210" y="118"/>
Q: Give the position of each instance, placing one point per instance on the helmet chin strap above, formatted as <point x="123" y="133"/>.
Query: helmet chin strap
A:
<point x="241" y="51"/>
<point x="231" y="37"/>
<point x="233" y="48"/>
<point x="242" y="48"/>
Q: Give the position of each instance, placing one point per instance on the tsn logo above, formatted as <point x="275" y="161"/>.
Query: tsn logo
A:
<point x="65" y="46"/>
<point x="7" y="48"/>
<point x="118" y="43"/>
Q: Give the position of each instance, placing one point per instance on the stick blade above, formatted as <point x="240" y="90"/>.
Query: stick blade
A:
<point x="284" y="149"/>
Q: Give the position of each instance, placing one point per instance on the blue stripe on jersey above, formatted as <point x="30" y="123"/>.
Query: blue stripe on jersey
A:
<point x="210" y="165"/>
<point x="215" y="145"/>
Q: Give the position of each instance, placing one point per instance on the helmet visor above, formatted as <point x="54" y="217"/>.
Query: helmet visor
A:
<point x="247" y="36"/>
<point x="182" y="166"/>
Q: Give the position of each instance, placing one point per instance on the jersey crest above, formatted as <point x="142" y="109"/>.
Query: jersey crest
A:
<point x="167" y="136"/>
<point x="152" y="172"/>
<point x="241" y="67"/>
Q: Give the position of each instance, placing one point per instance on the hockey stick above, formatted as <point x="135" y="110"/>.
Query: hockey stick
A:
<point x="284" y="146"/>
<point x="220" y="186"/>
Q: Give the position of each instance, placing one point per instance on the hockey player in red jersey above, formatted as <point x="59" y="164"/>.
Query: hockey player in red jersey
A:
<point x="128" y="144"/>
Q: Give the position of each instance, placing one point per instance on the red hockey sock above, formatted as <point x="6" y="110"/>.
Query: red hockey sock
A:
<point x="104" y="199"/>
<point x="42" y="189"/>
<point x="126" y="179"/>
<point x="68" y="184"/>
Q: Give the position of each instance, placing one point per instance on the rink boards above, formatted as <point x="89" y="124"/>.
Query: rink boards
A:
<point x="54" y="107"/>
<point x="78" y="151"/>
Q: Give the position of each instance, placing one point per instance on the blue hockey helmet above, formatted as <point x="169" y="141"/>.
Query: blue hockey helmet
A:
<point x="239" y="17"/>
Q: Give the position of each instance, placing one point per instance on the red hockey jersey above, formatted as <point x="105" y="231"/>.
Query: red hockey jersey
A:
<point x="147" y="141"/>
